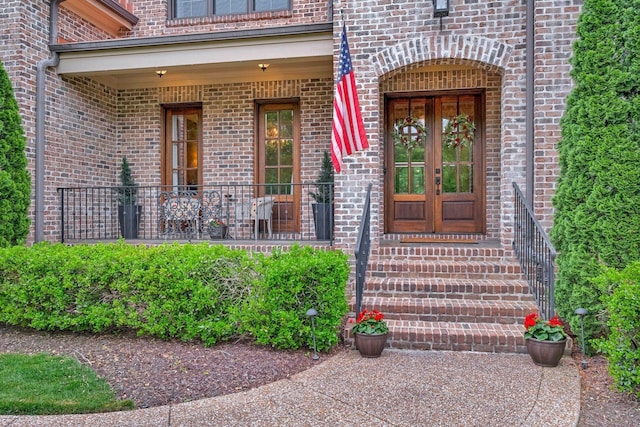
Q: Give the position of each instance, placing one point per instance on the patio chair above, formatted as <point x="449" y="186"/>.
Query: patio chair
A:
<point x="180" y="214"/>
<point x="256" y="210"/>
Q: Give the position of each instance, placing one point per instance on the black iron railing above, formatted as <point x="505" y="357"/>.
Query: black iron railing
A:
<point x="234" y="212"/>
<point x="363" y="245"/>
<point x="535" y="253"/>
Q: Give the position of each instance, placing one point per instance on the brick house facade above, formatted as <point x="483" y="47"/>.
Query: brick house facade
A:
<point x="103" y="99"/>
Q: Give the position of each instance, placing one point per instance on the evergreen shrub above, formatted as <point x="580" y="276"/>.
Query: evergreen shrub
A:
<point x="597" y="199"/>
<point x="15" y="182"/>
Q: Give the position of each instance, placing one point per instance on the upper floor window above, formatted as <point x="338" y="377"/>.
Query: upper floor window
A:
<point x="197" y="8"/>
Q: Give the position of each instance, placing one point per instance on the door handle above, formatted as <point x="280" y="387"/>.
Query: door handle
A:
<point x="437" y="185"/>
<point x="437" y="180"/>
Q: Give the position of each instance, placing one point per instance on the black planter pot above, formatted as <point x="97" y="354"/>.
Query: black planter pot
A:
<point x="323" y="220"/>
<point x="129" y="219"/>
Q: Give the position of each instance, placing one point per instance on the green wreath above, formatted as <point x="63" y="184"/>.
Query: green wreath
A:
<point x="459" y="131"/>
<point x="409" y="133"/>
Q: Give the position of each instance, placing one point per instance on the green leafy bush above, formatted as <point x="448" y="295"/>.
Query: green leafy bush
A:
<point x="622" y="344"/>
<point x="294" y="282"/>
<point x="187" y="292"/>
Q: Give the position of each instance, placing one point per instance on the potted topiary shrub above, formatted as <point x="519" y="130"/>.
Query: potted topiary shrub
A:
<point x="323" y="196"/>
<point x="129" y="212"/>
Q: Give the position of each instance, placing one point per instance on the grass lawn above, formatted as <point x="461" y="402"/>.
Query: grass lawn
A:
<point x="44" y="384"/>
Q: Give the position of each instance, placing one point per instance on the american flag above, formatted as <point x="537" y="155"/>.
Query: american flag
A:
<point x="348" y="134"/>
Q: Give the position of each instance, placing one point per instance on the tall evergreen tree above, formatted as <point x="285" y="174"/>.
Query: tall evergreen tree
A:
<point x="597" y="202"/>
<point x="15" y="183"/>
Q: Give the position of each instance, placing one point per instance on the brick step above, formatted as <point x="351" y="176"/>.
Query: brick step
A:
<point x="482" y="337"/>
<point x="431" y="287"/>
<point x="450" y="310"/>
<point x="440" y="253"/>
<point x="503" y="270"/>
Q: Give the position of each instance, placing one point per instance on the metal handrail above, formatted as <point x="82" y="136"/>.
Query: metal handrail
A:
<point x="362" y="249"/>
<point x="536" y="254"/>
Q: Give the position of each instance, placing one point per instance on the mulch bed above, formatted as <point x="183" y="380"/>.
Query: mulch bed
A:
<point x="152" y="372"/>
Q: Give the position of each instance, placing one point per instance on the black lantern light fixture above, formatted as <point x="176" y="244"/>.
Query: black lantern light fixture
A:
<point x="440" y="9"/>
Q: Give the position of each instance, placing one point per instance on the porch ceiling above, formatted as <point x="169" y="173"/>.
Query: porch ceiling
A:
<point x="130" y="65"/>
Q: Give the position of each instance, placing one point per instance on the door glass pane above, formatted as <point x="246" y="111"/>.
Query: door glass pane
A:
<point x="271" y="127"/>
<point x="192" y="127"/>
<point x="192" y="154"/>
<point x="175" y="179"/>
<point x="400" y="155"/>
<point x="271" y="153"/>
<point x="286" y="153"/>
<point x="466" y="152"/>
<point x="174" y="155"/>
<point x="417" y="156"/>
<point x="175" y="127"/>
<point x="448" y="154"/>
<point x="286" y="178"/>
<point x="402" y="180"/>
<point x="286" y="124"/>
<point x="465" y="179"/>
<point x="449" y="179"/>
<point x="271" y="176"/>
<point x="417" y="180"/>
<point x="192" y="178"/>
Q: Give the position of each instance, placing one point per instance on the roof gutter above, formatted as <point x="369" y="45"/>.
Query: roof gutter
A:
<point x="42" y="66"/>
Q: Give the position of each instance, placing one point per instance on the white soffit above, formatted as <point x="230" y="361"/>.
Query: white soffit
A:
<point x="200" y="62"/>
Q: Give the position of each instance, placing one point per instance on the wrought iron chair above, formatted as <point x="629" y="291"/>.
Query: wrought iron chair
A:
<point x="180" y="213"/>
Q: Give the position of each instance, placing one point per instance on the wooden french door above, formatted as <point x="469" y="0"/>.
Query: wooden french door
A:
<point x="278" y="162"/>
<point x="431" y="185"/>
<point x="181" y="154"/>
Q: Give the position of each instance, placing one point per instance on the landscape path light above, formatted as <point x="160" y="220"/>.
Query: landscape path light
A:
<point x="581" y="312"/>
<point x="312" y="313"/>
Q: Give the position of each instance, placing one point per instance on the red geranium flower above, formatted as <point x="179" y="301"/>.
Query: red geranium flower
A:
<point x="554" y="321"/>
<point x="530" y="320"/>
<point x="544" y="330"/>
<point x="370" y="322"/>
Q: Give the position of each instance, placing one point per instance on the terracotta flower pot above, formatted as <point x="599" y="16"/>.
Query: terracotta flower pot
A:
<point x="545" y="353"/>
<point x="370" y="345"/>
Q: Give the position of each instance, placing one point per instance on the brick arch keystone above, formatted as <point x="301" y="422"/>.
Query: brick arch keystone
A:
<point x="488" y="53"/>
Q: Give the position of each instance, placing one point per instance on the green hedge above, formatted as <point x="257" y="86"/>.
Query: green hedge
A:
<point x="189" y="292"/>
<point x="622" y="317"/>
<point x="294" y="282"/>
